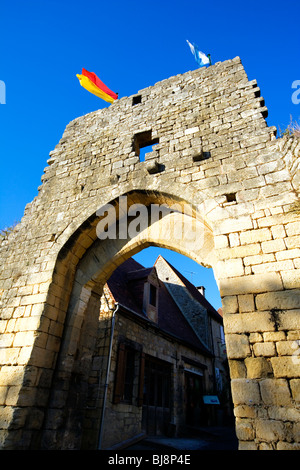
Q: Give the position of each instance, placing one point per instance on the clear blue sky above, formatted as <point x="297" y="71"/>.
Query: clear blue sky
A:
<point x="130" y="45"/>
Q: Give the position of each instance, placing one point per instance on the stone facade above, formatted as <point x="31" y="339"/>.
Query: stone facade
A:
<point x="163" y="408"/>
<point x="123" y="422"/>
<point x="213" y="151"/>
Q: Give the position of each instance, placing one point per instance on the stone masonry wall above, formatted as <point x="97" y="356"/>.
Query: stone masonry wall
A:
<point x="213" y="150"/>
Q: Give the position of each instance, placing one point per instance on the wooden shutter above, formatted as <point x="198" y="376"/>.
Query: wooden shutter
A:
<point x="141" y="379"/>
<point x="119" y="377"/>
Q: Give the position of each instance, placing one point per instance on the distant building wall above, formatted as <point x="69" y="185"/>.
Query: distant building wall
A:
<point x="124" y="420"/>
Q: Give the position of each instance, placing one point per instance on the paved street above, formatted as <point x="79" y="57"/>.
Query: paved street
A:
<point x="217" y="438"/>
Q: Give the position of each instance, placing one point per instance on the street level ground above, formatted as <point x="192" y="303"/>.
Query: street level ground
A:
<point x="212" y="438"/>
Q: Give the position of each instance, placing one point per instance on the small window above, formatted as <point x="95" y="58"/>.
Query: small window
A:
<point x="200" y="156"/>
<point x="231" y="197"/>
<point x="152" y="295"/>
<point x="136" y="100"/>
<point x="145" y="150"/>
<point x="144" y="141"/>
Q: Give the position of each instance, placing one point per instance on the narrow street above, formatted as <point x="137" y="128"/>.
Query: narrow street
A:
<point x="212" y="438"/>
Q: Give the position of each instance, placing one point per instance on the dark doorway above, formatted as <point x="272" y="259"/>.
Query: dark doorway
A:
<point x="195" y="412"/>
<point x="157" y="397"/>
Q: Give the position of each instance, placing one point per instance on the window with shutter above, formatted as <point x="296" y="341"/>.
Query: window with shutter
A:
<point x="129" y="378"/>
<point x="119" y="379"/>
<point x="141" y="379"/>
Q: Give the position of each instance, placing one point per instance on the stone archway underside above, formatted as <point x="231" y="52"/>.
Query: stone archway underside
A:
<point x="213" y="152"/>
<point x="95" y="267"/>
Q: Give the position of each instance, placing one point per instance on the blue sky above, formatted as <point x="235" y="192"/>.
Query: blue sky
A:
<point x="130" y="45"/>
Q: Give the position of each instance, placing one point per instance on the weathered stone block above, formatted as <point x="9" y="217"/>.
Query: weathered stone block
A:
<point x="295" y="388"/>
<point x="282" y="175"/>
<point x="296" y="432"/>
<point x="246" y="303"/>
<point x="292" y="242"/>
<point x="251" y="284"/>
<point x="284" y="413"/>
<point x="277" y="266"/>
<point x="264" y="349"/>
<point x="248" y="322"/>
<point x="278" y="231"/>
<point x="270" y="430"/>
<point x="237" y="225"/>
<point x="230" y="304"/>
<point x="283" y="300"/>
<point x="229" y="268"/>
<point x="245" y="392"/>
<point x="245" y="411"/>
<point x="255" y="338"/>
<point x="237" y="346"/>
<point x="293" y="228"/>
<point x="286" y="348"/>
<point x="275" y="392"/>
<point x="288" y="319"/>
<point x="221" y="241"/>
<point x="288" y="446"/>
<point x="291" y="279"/>
<point x="252" y="236"/>
<point x="273" y="246"/>
<point x="274" y="336"/>
<point x="286" y="366"/>
<point x="248" y="445"/>
<point x="288" y="254"/>
<point x="239" y="251"/>
<point x="258" y="367"/>
<point x="244" y="429"/>
<point x="237" y="369"/>
<point x="259" y="259"/>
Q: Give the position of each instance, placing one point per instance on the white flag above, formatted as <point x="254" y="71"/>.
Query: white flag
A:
<point x="200" y="57"/>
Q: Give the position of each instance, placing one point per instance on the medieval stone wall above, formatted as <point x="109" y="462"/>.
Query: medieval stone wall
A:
<point x="213" y="151"/>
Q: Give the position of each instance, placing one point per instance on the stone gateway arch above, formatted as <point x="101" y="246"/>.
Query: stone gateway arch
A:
<point x="212" y="152"/>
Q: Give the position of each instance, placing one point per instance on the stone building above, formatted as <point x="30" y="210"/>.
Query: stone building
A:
<point x="214" y="153"/>
<point x="160" y="366"/>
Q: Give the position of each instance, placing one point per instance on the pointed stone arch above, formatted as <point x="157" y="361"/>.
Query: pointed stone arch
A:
<point x="96" y="265"/>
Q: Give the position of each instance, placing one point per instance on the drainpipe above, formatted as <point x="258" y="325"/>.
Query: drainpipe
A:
<point x="214" y="355"/>
<point x="113" y="319"/>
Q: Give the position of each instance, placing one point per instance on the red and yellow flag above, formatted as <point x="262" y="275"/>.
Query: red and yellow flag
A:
<point x="93" y="84"/>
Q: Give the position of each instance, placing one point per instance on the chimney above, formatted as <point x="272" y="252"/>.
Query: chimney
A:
<point x="201" y="289"/>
